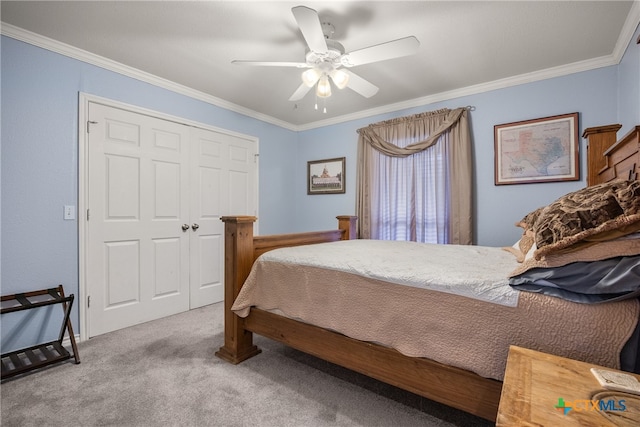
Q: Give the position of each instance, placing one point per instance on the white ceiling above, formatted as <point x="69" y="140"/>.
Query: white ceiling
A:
<point x="465" y="47"/>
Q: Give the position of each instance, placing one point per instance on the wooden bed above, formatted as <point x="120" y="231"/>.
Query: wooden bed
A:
<point x="449" y="385"/>
<point x="445" y="384"/>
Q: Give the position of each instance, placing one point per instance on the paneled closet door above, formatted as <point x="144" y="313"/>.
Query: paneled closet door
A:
<point x="223" y="182"/>
<point x="138" y="249"/>
<point x="157" y="190"/>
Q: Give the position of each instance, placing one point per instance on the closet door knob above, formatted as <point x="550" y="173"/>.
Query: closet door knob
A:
<point x="195" y="227"/>
<point x="185" y="227"/>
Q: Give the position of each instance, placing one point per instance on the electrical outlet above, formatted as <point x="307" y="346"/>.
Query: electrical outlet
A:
<point x="69" y="212"/>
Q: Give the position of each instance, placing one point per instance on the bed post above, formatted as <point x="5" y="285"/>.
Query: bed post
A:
<point x="238" y="259"/>
<point x="347" y="223"/>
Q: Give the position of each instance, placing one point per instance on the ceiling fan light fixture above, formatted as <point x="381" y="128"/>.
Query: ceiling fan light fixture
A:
<point x="324" y="58"/>
<point x="340" y="78"/>
<point x="310" y="77"/>
<point x="324" y="87"/>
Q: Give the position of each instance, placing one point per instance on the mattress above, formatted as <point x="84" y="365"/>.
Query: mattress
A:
<point x="358" y="293"/>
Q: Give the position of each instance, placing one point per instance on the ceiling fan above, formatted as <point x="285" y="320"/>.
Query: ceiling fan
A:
<point x="326" y="58"/>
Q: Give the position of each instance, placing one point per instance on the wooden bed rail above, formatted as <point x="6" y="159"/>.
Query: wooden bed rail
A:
<point x="346" y="231"/>
<point x="452" y="386"/>
<point x="241" y="249"/>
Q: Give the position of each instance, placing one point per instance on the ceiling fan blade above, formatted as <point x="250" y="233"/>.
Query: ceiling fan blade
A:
<point x="300" y="92"/>
<point x="309" y="24"/>
<point x="381" y="52"/>
<point x="271" y="64"/>
<point x="360" y="85"/>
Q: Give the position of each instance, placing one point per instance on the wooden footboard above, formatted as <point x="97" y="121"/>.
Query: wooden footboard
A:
<point x="445" y="384"/>
<point x="241" y="249"/>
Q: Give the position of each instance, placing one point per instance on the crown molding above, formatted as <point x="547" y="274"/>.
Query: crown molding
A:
<point x="549" y="73"/>
<point x="628" y="29"/>
<point x="626" y="34"/>
<point x="108" y="64"/>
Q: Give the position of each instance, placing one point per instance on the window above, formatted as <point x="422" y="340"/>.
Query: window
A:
<point x="414" y="178"/>
<point x="411" y="195"/>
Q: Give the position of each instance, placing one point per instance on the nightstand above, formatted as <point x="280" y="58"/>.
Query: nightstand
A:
<point x="540" y="389"/>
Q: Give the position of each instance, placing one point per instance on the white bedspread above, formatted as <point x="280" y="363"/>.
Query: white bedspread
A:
<point x="477" y="272"/>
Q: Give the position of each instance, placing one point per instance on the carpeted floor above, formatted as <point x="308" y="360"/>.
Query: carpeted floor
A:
<point x="164" y="373"/>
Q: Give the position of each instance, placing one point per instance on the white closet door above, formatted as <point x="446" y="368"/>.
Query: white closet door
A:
<point x="156" y="192"/>
<point x="138" y="252"/>
<point x="223" y="182"/>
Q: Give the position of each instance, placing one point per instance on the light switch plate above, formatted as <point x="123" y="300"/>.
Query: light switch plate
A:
<point x="69" y="212"/>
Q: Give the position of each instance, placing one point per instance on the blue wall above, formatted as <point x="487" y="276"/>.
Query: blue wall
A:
<point x="602" y="96"/>
<point x="593" y="94"/>
<point x="39" y="175"/>
<point x="40" y="159"/>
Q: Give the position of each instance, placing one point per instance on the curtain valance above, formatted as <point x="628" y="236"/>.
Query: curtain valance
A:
<point x="371" y="136"/>
<point x="427" y="129"/>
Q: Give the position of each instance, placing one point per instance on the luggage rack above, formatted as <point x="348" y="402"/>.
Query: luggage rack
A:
<point x="26" y="359"/>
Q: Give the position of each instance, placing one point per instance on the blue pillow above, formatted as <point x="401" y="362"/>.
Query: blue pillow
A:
<point x="611" y="279"/>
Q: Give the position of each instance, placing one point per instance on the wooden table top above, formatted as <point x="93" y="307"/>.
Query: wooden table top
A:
<point x="540" y="389"/>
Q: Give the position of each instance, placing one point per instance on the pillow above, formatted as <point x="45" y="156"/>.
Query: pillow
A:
<point x="529" y="219"/>
<point x="522" y="247"/>
<point x="530" y="255"/>
<point x="621" y="247"/>
<point x="611" y="208"/>
<point x="527" y="241"/>
<point x="613" y="279"/>
<point x="515" y="250"/>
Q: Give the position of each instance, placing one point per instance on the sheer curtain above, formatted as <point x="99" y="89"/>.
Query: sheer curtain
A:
<point x="414" y="178"/>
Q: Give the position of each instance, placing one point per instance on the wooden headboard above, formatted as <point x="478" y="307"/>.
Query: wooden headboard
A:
<point x="608" y="159"/>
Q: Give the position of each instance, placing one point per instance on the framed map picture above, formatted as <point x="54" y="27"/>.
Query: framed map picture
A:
<point x="539" y="150"/>
<point x="326" y="176"/>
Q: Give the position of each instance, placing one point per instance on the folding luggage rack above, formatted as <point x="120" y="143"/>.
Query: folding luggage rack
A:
<point x="26" y="359"/>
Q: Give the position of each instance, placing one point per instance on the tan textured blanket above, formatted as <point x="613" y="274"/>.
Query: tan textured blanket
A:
<point x="451" y="329"/>
<point x="581" y="253"/>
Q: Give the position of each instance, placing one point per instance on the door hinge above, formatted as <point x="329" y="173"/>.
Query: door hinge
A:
<point x="255" y="158"/>
<point x="88" y="301"/>
<point x="90" y="122"/>
<point x="88" y="215"/>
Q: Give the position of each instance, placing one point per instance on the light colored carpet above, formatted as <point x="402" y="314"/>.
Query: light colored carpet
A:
<point x="164" y="373"/>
